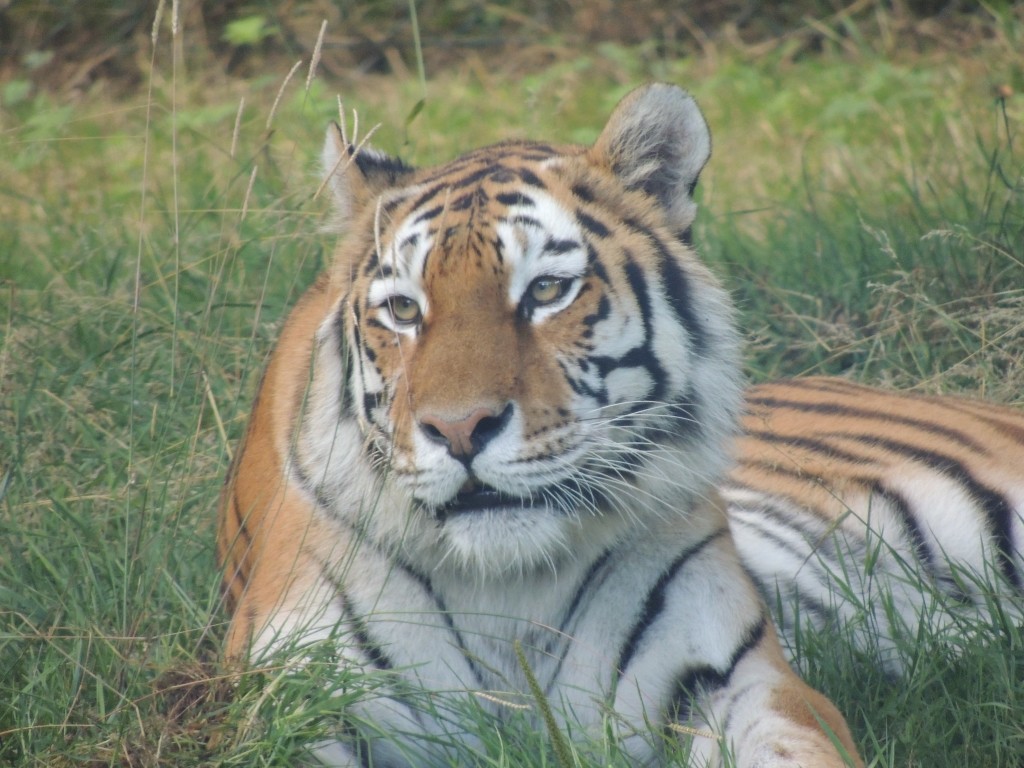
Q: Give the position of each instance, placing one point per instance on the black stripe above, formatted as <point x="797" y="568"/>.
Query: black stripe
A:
<point x="338" y="326"/>
<point x="771" y="592"/>
<point x="371" y="402"/>
<point x="998" y="510"/>
<point x="580" y="387"/>
<point x="370" y="648"/>
<point x="357" y="341"/>
<point x="463" y="202"/>
<point x="685" y="414"/>
<point x="592" y="225"/>
<point x="638" y="282"/>
<point x="529" y="177"/>
<point x="603" y="310"/>
<point x="510" y="199"/>
<point x="911" y="528"/>
<point x="428" y="588"/>
<point x="478" y="175"/>
<point x="597" y="265"/>
<point x="679" y="292"/>
<point x="988" y="414"/>
<point x="305" y="482"/>
<point x="372" y="263"/>
<point x="680" y="298"/>
<point x="583" y="192"/>
<point x="423" y="581"/>
<point x="427" y="196"/>
<point x="243" y="527"/>
<point x="654" y="602"/>
<point x="813" y="543"/>
<point x="503" y="175"/>
<point x="558" y="247"/>
<point x="815" y="445"/>
<point x="391" y="206"/>
<point x="703" y="679"/>
<point x="588" y="585"/>
<point x="373" y="322"/>
<point x="525" y="221"/>
<point x="871" y="485"/>
<point x="931" y="561"/>
<point x="429" y="215"/>
<point x="838" y="409"/>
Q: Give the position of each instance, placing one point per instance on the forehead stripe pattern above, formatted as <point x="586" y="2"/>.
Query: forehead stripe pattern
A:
<point x="514" y="199"/>
<point x="592" y="225"/>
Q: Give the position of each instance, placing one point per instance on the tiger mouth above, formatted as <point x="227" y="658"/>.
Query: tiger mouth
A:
<point x="475" y="498"/>
<point x="559" y="498"/>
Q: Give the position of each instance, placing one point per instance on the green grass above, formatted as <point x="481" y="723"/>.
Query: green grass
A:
<point x="866" y="207"/>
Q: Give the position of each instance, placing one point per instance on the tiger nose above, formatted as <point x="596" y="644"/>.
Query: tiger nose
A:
<point x="465" y="438"/>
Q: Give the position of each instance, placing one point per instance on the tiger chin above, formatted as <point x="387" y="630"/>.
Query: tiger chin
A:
<point x="487" y="446"/>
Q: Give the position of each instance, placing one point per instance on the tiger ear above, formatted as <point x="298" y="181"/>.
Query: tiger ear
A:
<point x="657" y="141"/>
<point x="356" y="175"/>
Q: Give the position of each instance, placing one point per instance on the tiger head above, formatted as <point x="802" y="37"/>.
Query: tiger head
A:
<point x="525" y="356"/>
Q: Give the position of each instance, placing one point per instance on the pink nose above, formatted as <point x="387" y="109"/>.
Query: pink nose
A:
<point x="466" y="437"/>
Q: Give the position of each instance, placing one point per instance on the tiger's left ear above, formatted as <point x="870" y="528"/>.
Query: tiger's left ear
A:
<point x="657" y="141"/>
<point x="357" y="176"/>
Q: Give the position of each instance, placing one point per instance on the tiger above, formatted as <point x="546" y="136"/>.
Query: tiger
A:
<point x="503" y="457"/>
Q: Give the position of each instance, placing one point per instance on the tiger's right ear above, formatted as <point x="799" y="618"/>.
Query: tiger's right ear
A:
<point x="356" y="175"/>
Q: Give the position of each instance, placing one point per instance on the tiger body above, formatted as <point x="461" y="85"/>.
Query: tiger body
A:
<point x="493" y="443"/>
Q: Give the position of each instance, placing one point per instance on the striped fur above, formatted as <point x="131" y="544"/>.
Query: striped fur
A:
<point x="912" y="504"/>
<point x="505" y="420"/>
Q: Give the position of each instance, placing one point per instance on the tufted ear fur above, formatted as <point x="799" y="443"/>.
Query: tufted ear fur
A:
<point x="657" y="141"/>
<point x="356" y="175"/>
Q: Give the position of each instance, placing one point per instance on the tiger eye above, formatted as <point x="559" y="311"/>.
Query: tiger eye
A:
<point x="545" y="290"/>
<point x="404" y="310"/>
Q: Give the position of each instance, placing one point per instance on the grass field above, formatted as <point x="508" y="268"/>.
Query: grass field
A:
<point x="865" y="204"/>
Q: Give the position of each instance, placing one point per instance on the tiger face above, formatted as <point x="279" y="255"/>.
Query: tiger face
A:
<point x="518" y="375"/>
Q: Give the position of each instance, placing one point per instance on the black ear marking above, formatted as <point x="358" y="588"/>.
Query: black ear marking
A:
<point x="379" y="168"/>
<point x="357" y="174"/>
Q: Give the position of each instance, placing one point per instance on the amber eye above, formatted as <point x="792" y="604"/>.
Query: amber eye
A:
<point x="546" y="289"/>
<point x="404" y="311"/>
